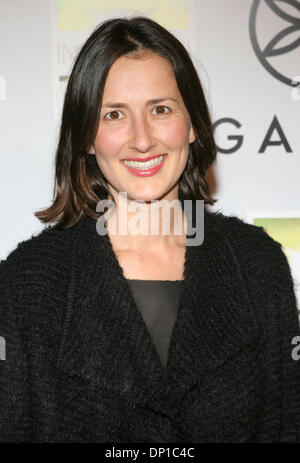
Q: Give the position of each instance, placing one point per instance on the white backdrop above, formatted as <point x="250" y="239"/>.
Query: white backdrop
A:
<point x="245" y="80"/>
<point x="26" y="118"/>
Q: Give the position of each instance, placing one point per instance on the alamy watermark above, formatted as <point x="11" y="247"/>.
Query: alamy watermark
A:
<point x="136" y="218"/>
<point x="296" y="350"/>
<point x="2" y="348"/>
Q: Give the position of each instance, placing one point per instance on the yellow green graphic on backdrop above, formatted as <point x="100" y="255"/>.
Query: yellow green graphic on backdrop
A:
<point x="287" y="232"/>
<point x="84" y="14"/>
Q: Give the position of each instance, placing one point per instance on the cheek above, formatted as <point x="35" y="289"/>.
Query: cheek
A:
<point x="107" y="144"/>
<point x="176" y="135"/>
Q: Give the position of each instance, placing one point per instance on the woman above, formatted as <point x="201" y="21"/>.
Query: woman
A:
<point x="138" y="337"/>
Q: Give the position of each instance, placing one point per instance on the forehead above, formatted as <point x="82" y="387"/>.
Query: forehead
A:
<point x="137" y="75"/>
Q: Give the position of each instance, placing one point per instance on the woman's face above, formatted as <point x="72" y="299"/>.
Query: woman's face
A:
<point x="134" y="127"/>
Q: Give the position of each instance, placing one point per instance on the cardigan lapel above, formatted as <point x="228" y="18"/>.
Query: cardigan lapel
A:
<point x="216" y="320"/>
<point x="105" y="339"/>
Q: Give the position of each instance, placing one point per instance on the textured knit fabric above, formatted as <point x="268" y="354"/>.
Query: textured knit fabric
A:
<point x="157" y="300"/>
<point x="81" y="366"/>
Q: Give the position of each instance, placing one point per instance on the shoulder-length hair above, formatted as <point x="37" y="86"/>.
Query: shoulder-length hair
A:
<point x="79" y="183"/>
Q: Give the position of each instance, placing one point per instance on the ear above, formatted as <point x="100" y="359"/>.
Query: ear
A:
<point x="192" y="135"/>
<point x="91" y="150"/>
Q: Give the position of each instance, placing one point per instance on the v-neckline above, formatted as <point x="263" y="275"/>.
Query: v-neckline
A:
<point x="105" y="339"/>
<point x="163" y="370"/>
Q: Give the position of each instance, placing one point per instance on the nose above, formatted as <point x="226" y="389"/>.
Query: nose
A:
<point x="141" y="137"/>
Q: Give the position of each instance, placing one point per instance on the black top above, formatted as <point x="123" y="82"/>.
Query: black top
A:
<point x="158" y="302"/>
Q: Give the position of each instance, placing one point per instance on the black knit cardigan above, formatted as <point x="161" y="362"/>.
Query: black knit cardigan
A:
<point x="81" y="365"/>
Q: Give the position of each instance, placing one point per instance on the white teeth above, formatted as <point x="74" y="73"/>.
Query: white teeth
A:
<point x="142" y="165"/>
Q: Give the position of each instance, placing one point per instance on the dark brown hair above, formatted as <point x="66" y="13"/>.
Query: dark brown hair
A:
<point x="79" y="182"/>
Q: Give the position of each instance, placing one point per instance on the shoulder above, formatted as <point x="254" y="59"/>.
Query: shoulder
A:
<point x="34" y="280"/>
<point x="39" y="256"/>
<point x="255" y="251"/>
<point x="245" y="236"/>
<point x="50" y="241"/>
<point x="231" y="222"/>
<point x="260" y="258"/>
<point x="263" y="268"/>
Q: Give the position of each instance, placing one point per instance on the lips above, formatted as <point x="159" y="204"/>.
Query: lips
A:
<point x="144" y="159"/>
<point x="145" y="171"/>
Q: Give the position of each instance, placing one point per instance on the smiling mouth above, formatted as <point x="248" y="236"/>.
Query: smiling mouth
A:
<point x="144" y="165"/>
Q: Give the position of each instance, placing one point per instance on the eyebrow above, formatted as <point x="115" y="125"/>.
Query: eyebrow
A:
<point x="149" y="102"/>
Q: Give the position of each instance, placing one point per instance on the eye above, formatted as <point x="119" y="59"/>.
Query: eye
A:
<point x="162" y="107"/>
<point x="113" y="113"/>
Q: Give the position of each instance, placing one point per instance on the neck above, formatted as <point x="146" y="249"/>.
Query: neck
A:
<point x="157" y="224"/>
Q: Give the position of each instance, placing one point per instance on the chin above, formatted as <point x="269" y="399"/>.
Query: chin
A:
<point x="146" y="197"/>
